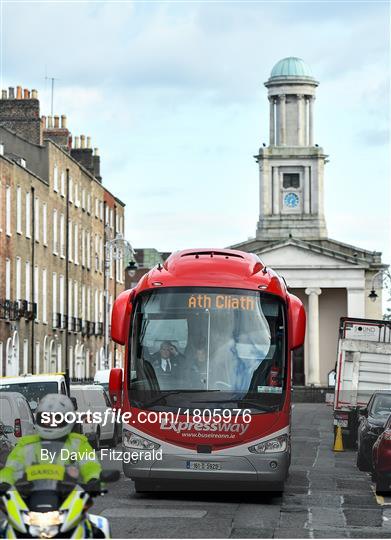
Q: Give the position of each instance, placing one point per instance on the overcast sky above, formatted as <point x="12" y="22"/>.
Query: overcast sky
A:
<point x="173" y="96"/>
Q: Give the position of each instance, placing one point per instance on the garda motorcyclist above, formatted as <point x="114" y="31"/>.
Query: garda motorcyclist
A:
<point x="53" y="437"/>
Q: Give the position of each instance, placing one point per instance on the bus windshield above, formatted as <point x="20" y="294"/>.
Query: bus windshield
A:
<point x="209" y="347"/>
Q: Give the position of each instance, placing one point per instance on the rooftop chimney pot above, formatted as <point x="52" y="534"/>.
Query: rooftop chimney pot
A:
<point x="88" y="142"/>
<point x="18" y="92"/>
<point x="77" y="142"/>
<point x="26" y="94"/>
<point x="56" y="122"/>
<point x="50" y="122"/>
<point x="63" y="121"/>
<point x="96" y="151"/>
<point x="34" y="94"/>
<point x="4" y="94"/>
<point x="11" y="92"/>
<point x="82" y="141"/>
<point x="43" y="122"/>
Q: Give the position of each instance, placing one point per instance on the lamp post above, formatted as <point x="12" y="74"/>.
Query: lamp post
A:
<point x="385" y="281"/>
<point x="116" y="249"/>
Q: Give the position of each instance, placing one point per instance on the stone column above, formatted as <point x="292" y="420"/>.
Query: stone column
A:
<point x="311" y="120"/>
<point x="276" y="191"/>
<point x="313" y="335"/>
<point x="272" y="141"/>
<point x="307" y="206"/>
<point x="356" y="302"/>
<point x="282" y="120"/>
<point x="300" y="120"/>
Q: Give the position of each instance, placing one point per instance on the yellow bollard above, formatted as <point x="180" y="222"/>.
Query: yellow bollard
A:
<point x="338" y="443"/>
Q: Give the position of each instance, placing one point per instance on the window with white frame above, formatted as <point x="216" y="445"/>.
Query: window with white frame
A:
<point x="62" y="186"/>
<point x="88" y="248"/>
<point x="28" y="215"/>
<point x="36" y="290"/>
<point x="101" y="307"/>
<point x="121" y="225"/>
<point x="70" y="298"/>
<point x="83" y="199"/>
<point x="76" y="245"/>
<point x="7" y="279"/>
<point x="77" y="202"/>
<point x="76" y="299"/>
<point x="83" y="302"/>
<point x="45" y="224"/>
<point x="101" y="255"/>
<point x="19" y="210"/>
<point x="101" y="210"/>
<point x="8" y="210"/>
<point x="83" y="247"/>
<point x="96" y="253"/>
<point x="89" y="203"/>
<point x="27" y="282"/>
<point x="106" y="215"/>
<point x="88" y="314"/>
<point x="18" y="272"/>
<point x="62" y="236"/>
<point x="55" y="234"/>
<point x="36" y="219"/>
<point x="96" y="207"/>
<point x="55" y="178"/>
<point x="70" y="243"/>
<point x="111" y="268"/>
<point x="70" y="190"/>
<point x="54" y="295"/>
<point x="44" y="297"/>
<point x="62" y="296"/>
<point x="111" y="218"/>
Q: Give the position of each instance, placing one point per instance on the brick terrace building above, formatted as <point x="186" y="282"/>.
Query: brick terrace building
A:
<point x="55" y="218"/>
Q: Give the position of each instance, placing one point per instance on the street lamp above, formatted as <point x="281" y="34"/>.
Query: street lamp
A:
<point x="385" y="281"/>
<point x="115" y="249"/>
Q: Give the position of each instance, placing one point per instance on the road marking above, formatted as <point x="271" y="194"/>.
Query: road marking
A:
<point x="152" y="513"/>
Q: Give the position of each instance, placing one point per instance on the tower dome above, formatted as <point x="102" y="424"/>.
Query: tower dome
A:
<point x="291" y="68"/>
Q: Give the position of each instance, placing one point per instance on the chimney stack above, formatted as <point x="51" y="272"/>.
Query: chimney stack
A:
<point x="63" y="121"/>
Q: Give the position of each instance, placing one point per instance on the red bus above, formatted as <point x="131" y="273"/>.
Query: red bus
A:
<point x="207" y="373"/>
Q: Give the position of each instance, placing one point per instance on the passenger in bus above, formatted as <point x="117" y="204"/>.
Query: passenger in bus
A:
<point x="196" y="377"/>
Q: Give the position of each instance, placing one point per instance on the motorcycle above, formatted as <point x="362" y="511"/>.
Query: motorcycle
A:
<point x="46" y="506"/>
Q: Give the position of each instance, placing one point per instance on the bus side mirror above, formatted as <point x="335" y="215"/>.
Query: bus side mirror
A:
<point x="120" y="316"/>
<point x="297" y="320"/>
<point x="115" y="387"/>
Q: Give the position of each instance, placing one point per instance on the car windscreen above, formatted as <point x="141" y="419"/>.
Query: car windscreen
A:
<point x="381" y="405"/>
<point x="203" y="347"/>
<point x="32" y="391"/>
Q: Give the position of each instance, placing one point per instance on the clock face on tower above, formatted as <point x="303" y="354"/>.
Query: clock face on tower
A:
<point x="291" y="200"/>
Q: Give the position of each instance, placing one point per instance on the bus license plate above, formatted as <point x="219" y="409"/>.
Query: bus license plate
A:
<point x="340" y="422"/>
<point x="203" y="465"/>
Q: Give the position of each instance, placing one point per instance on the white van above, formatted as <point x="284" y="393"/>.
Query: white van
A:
<point x="35" y="387"/>
<point x="15" y="412"/>
<point x="93" y="397"/>
<point x="102" y="377"/>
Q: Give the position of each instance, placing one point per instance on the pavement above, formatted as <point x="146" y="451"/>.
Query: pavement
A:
<point x="326" y="496"/>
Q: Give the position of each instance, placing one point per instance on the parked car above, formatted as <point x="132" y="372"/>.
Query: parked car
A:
<point x="92" y="397"/>
<point x="371" y="425"/>
<point x="34" y="387"/>
<point x="102" y="377"/>
<point x="381" y="457"/>
<point x="15" y="411"/>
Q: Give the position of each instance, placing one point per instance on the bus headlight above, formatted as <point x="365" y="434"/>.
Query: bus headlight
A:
<point x="278" y="444"/>
<point x="136" y="442"/>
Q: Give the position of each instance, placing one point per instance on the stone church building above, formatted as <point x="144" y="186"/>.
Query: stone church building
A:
<point x="333" y="279"/>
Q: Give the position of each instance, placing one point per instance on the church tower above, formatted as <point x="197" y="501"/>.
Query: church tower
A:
<point x="291" y="167"/>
